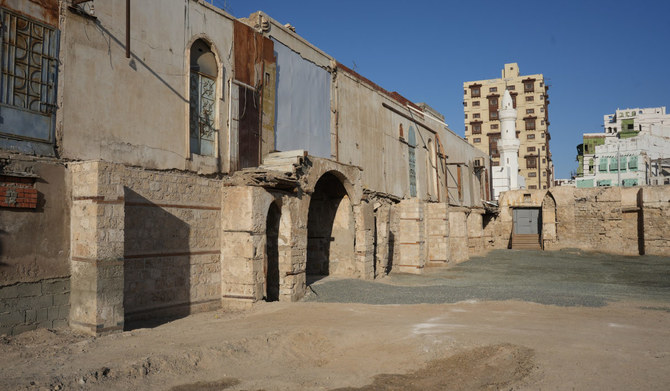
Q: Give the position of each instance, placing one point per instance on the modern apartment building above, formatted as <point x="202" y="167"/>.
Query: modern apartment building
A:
<point x="481" y="102"/>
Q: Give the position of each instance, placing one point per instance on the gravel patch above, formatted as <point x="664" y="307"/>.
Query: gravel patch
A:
<point x="562" y="278"/>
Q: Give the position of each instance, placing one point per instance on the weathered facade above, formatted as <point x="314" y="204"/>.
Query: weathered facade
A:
<point x="182" y="160"/>
<point x="212" y="163"/>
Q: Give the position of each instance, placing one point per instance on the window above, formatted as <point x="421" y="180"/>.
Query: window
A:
<point x="475" y="92"/>
<point x="530" y="98"/>
<point x="494" y="126"/>
<point x="477" y="140"/>
<point x="29" y="74"/>
<point x="476" y="115"/>
<point x="542" y="122"/>
<point x="465" y="104"/>
<point x="543" y="147"/>
<point x="493" y="89"/>
<point x="530" y="123"/>
<point x="529" y="86"/>
<point x="530" y="149"/>
<point x="493" y="115"/>
<point x="532" y="187"/>
<point x="531" y="162"/>
<point x="542" y="135"/>
<point x="541" y="84"/>
<point x="493" y="144"/>
<point x="466" y="115"/>
<point x="532" y="174"/>
<point x="544" y="160"/>
<point x="602" y="164"/>
<point x="530" y="136"/>
<point x="544" y="173"/>
<point x="466" y="128"/>
<point x="530" y="111"/>
<point x="632" y="163"/>
<point x="465" y="92"/>
<point x="475" y="103"/>
<point x="511" y="88"/>
<point x="476" y="127"/>
<point x="493" y="102"/>
<point x="630" y="127"/>
<point x="202" y="97"/>
<point x="541" y="109"/>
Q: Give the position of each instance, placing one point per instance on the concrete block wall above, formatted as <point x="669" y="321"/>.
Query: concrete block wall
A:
<point x="32" y="305"/>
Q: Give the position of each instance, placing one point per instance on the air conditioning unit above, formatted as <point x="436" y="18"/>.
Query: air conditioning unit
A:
<point x="478" y="163"/>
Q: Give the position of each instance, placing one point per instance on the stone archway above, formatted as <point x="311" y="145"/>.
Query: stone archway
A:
<point x="549" y="234"/>
<point x="330" y="230"/>
<point x="271" y="259"/>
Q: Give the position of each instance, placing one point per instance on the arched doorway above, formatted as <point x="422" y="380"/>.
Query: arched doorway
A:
<point x="330" y="230"/>
<point x="271" y="264"/>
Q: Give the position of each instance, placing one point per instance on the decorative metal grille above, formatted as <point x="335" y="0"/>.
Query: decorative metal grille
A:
<point x="29" y="63"/>
<point x="203" y="97"/>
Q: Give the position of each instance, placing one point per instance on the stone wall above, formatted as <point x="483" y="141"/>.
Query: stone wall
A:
<point x="627" y="221"/>
<point x="172" y="244"/>
<point x="655" y="221"/>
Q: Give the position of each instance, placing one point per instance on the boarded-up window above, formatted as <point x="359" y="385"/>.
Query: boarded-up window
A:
<point x="602" y="165"/>
<point x="632" y="163"/>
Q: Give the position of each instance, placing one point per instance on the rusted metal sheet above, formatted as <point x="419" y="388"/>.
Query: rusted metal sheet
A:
<point x="251" y="49"/>
<point x="249" y="127"/>
<point x="46" y="11"/>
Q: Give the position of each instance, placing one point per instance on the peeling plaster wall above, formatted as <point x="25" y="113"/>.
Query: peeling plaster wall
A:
<point x="135" y="111"/>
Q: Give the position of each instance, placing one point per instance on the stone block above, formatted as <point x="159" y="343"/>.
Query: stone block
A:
<point x="23" y="328"/>
<point x="29" y="289"/>
<point x="9" y="291"/>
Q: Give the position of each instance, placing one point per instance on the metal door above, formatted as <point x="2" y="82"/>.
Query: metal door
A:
<point x="527" y="221"/>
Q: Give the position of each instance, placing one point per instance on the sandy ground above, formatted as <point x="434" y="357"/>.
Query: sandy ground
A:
<point x="528" y="343"/>
<point x="315" y="346"/>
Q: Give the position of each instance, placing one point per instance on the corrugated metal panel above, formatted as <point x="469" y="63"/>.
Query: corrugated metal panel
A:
<point x="303" y="104"/>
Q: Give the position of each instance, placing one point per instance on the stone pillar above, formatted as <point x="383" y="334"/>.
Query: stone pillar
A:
<point x="97" y="240"/>
<point x="293" y="248"/>
<point x="437" y="234"/>
<point x="243" y="242"/>
<point x="475" y="232"/>
<point x="411" y="237"/>
<point x="458" y="234"/>
<point x="364" y="217"/>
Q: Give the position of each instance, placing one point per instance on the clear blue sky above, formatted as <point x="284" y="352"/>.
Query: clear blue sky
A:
<point x="596" y="56"/>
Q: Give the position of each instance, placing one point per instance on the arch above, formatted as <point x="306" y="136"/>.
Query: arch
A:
<point x="271" y="258"/>
<point x="549" y="220"/>
<point x="330" y="229"/>
<point x="203" y="81"/>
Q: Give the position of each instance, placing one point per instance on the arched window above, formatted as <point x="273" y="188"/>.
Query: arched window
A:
<point x="202" y="96"/>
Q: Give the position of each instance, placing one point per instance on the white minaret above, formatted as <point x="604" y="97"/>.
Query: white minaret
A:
<point x="509" y="144"/>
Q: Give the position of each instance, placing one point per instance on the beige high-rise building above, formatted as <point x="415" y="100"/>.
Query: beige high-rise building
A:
<point x="481" y="102"/>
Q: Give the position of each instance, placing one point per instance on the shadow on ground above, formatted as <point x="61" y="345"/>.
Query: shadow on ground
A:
<point x="563" y="278"/>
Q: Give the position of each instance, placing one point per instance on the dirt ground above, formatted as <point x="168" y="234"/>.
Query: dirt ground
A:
<point x="467" y="345"/>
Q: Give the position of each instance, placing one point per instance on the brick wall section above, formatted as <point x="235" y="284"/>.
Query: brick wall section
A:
<point x="17" y="192"/>
<point x="28" y="306"/>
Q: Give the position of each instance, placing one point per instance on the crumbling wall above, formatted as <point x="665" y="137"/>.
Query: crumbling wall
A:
<point x="475" y="224"/>
<point x="458" y="234"/>
<point x="34" y="244"/>
<point x="411" y="236"/>
<point x="437" y="234"/>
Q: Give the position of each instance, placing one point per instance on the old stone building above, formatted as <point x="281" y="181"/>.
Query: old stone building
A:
<point x="169" y="158"/>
